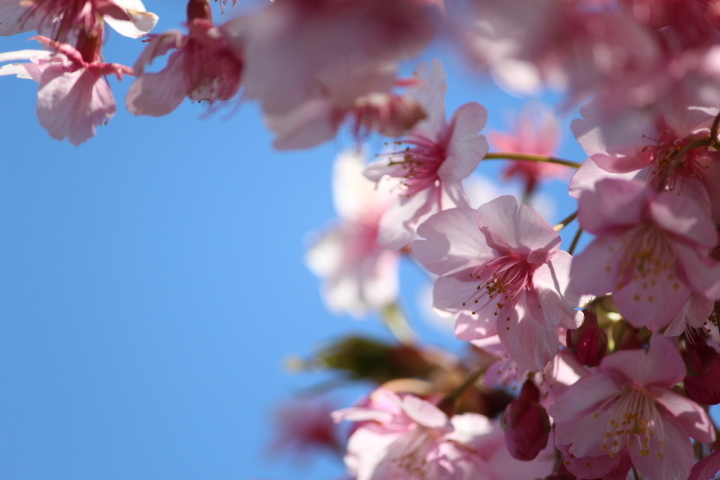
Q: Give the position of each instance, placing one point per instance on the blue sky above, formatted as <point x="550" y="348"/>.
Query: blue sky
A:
<point x="152" y="285"/>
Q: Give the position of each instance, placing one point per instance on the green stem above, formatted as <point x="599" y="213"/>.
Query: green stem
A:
<point x="469" y="382"/>
<point x="714" y="130"/>
<point x="565" y="221"/>
<point x="396" y="321"/>
<point x="575" y="241"/>
<point x="529" y="157"/>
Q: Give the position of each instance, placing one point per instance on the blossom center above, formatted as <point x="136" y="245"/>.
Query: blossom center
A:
<point x="420" y="163"/>
<point x="662" y="156"/>
<point x="633" y="415"/>
<point x="499" y="282"/>
<point x="648" y="255"/>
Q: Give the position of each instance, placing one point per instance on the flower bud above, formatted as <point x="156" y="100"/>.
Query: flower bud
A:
<point x="702" y="383"/>
<point x="589" y="342"/>
<point x="526" y="424"/>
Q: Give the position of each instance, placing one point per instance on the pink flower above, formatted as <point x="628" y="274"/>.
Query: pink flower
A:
<point x="74" y="96"/>
<point x="303" y="428"/>
<point x="502" y="265"/>
<point x="428" y="173"/>
<point x="628" y="408"/>
<point x="318" y="120"/>
<point x="404" y="437"/>
<point x="409" y="438"/>
<point x="536" y="131"/>
<point x="298" y="50"/>
<point x="505" y="372"/>
<point x="205" y="66"/>
<point x="651" y="251"/>
<point x="61" y="18"/>
<point x="648" y="142"/>
<point x="359" y="275"/>
<point x="528" y="44"/>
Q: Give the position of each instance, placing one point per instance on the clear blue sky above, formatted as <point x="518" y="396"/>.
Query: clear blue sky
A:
<point x="152" y="283"/>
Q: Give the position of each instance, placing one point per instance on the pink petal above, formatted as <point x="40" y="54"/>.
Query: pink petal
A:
<point x="466" y="147"/>
<point x="157" y="46"/>
<point x="157" y="94"/>
<point x="470" y="327"/>
<point x="661" y="365"/>
<point x="521" y="230"/>
<point x="14" y="18"/>
<point x="452" y="241"/>
<point x="707" y="468"/>
<point x="531" y="344"/>
<point x="671" y="460"/>
<point x="431" y="95"/>
<point x="693" y="418"/>
<point x="71" y="104"/>
<point x="596" y="269"/>
<point x="614" y="204"/>
<point x="582" y="398"/>
<point x="550" y="282"/>
<point x="425" y="413"/>
<point x="305" y="126"/>
<point x="652" y="301"/>
<point x="685" y="218"/>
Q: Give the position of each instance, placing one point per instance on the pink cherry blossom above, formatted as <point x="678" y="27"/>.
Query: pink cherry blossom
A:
<point x="205" y="66"/>
<point x="318" y="120"/>
<point x="304" y="427"/>
<point x="505" y="372"/>
<point x="61" y="18"/>
<point x="428" y="173"/>
<point x="628" y="408"/>
<point x="536" y="131"/>
<point x="298" y="50"/>
<point x="74" y="96"/>
<point x="528" y="44"/>
<point x="409" y="438"/>
<point x="359" y="275"/>
<point x="404" y="437"/>
<point x="502" y="265"/>
<point x="649" y="141"/>
<point x="651" y="251"/>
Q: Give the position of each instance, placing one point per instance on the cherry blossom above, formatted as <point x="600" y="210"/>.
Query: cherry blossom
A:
<point x="404" y="437"/>
<point x="359" y="275"/>
<point x="651" y="251"/>
<point x="205" y="66"/>
<point x="305" y="426"/>
<point x="428" y="173"/>
<point x="74" y="96"/>
<point x="649" y="142"/>
<point x="536" y="131"/>
<point x="298" y="50"/>
<point x="318" y="120"/>
<point x="528" y="44"/>
<point x="61" y="18"/>
<point x="501" y="263"/>
<point x="628" y="408"/>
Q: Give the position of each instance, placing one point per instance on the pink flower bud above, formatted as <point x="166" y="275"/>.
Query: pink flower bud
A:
<point x="702" y="383"/>
<point x="589" y="342"/>
<point x="526" y="424"/>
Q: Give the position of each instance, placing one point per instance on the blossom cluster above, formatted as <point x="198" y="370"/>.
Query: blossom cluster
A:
<point x="613" y="352"/>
